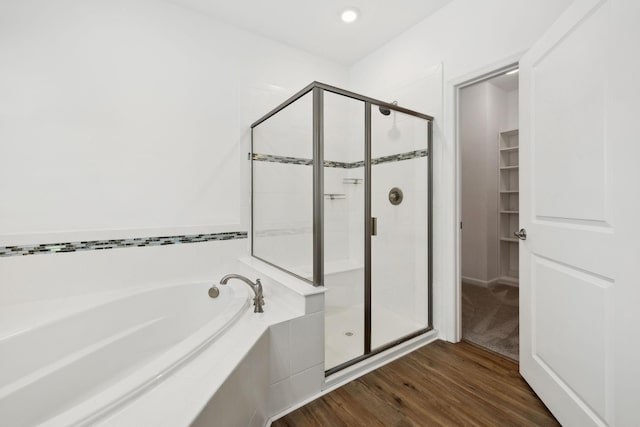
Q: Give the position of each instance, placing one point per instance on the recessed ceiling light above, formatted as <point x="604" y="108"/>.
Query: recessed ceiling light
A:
<point x="349" y="15"/>
<point x="508" y="73"/>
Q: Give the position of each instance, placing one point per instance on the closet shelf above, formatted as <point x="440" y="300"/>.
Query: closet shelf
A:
<point x="508" y="208"/>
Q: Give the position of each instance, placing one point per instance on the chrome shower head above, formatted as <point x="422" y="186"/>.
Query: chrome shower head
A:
<point x="386" y="111"/>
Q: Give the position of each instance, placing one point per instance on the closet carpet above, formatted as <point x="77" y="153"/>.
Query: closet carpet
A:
<point x="490" y="317"/>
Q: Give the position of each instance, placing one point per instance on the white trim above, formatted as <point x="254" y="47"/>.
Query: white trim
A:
<point x="356" y="371"/>
<point x="452" y="320"/>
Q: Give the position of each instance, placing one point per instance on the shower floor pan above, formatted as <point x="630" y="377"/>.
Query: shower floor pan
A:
<point x="344" y="331"/>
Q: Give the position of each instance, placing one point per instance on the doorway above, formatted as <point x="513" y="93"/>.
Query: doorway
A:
<point x="489" y="164"/>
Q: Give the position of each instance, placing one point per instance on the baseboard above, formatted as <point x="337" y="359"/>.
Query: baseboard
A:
<point x="507" y="280"/>
<point x="356" y="371"/>
<point x="503" y="280"/>
<point x="480" y="282"/>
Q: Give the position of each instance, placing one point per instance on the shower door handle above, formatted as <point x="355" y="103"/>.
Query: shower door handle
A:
<point x="374" y="226"/>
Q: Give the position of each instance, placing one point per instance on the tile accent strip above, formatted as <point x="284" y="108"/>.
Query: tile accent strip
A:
<point x="281" y="159"/>
<point x="94" y="245"/>
<point x="416" y="154"/>
<point x="344" y="165"/>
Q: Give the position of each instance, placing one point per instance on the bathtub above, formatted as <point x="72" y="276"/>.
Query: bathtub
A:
<point x="81" y="362"/>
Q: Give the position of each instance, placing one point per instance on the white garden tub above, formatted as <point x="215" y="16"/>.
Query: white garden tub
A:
<point x="96" y="354"/>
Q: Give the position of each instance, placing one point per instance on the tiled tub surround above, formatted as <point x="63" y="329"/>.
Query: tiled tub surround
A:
<point x="260" y="365"/>
<point x="94" y="245"/>
<point x="265" y="364"/>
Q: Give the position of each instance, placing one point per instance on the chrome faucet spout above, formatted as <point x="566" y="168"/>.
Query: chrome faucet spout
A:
<point x="258" y="299"/>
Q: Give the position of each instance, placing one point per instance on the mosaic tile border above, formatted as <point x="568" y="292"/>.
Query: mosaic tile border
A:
<point x="296" y="161"/>
<point x="95" y="245"/>
<point x="281" y="159"/>
<point x="416" y="154"/>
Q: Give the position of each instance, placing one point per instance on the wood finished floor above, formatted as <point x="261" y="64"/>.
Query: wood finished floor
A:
<point x="442" y="384"/>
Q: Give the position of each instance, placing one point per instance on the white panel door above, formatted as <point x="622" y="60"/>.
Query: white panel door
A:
<point x="580" y="204"/>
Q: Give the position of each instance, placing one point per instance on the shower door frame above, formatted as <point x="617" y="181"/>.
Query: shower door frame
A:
<point x="318" y="90"/>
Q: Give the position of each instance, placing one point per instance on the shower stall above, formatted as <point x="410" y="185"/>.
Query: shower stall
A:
<point x="341" y="195"/>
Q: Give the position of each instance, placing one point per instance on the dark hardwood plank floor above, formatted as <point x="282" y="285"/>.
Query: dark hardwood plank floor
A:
<point x="440" y="384"/>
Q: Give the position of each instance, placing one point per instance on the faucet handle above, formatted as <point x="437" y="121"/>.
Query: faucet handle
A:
<point x="259" y="285"/>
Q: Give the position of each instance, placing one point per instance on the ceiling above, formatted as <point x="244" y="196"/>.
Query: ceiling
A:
<point x="506" y="82"/>
<point x="316" y="27"/>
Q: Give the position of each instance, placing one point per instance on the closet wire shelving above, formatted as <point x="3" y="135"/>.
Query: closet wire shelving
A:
<point x="508" y="199"/>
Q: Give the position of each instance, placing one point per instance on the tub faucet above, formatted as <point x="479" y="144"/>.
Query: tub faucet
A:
<point x="258" y="299"/>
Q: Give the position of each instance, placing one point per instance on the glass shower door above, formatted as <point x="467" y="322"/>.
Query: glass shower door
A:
<point x="400" y="235"/>
<point x="325" y="164"/>
<point x="343" y="206"/>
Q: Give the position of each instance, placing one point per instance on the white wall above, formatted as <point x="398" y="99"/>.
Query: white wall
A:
<point x="464" y="36"/>
<point x="129" y="118"/>
<point x="512" y="109"/>
<point x="477" y="186"/>
<point x="484" y="110"/>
